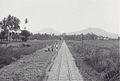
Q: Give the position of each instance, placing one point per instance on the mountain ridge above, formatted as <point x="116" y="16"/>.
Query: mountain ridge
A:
<point x="97" y="31"/>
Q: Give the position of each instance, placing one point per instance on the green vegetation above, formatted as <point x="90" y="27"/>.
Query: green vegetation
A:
<point x="97" y="60"/>
<point x="31" y="67"/>
<point x="87" y="36"/>
<point x="45" y="36"/>
<point x="9" y="25"/>
<point x="25" y="34"/>
<point x="16" y="50"/>
<point x="11" y="30"/>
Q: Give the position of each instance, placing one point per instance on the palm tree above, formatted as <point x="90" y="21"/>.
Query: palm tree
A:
<point x="10" y="23"/>
<point x="16" y="23"/>
<point x="26" y="20"/>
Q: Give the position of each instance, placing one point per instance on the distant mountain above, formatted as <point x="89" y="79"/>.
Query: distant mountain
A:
<point x="96" y="31"/>
<point x="49" y="31"/>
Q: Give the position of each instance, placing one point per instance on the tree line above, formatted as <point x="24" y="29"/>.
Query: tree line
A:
<point x="45" y="36"/>
<point x="79" y="37"/>
<point x="11" y="30"/>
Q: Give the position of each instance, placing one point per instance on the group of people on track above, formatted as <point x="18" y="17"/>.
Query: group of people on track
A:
<point x="52" y="48"/>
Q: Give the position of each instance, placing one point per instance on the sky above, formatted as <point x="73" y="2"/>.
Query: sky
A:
<point x="64" y="15"/>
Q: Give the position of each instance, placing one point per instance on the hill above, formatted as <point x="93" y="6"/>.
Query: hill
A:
<point x="96" y="31"/>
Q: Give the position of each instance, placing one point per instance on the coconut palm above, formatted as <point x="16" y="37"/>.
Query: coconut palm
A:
<point x="10" y="23"/>
<point x="26" y="21"/>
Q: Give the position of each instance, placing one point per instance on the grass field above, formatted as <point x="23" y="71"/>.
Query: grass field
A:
<point x="97" y="60"/>
<point x="16" y="50"/>
<point x="32" y="66"/>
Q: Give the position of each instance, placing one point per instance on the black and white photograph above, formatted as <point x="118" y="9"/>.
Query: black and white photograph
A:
<point x="59" y="40"/>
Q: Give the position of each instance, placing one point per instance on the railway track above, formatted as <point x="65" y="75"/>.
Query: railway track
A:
<point x="64" y="68"/>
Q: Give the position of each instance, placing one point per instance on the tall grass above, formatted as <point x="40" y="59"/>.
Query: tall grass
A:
<point x="12" y="53"/>
<point x="96" y="63"/>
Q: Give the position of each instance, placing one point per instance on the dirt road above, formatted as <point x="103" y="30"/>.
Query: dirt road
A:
<point x="64" y="68"/>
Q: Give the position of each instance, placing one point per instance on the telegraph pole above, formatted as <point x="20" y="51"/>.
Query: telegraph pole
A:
<point x="82" y="39"/>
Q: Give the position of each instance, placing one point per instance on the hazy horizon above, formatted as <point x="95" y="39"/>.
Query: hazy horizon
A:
<point x="64" y="15"/>
<point x="48" y="30"/>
